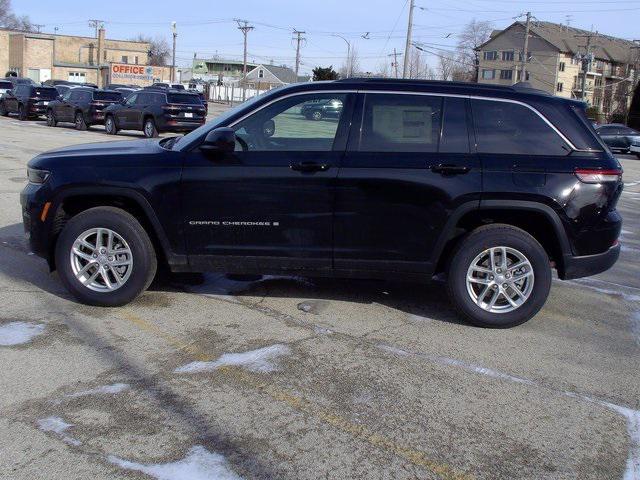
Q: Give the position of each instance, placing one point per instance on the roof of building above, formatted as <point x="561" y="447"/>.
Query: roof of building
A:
<point x="572" y="40"/>
<point x="283" y="73"/>
<point x="51" y="36"/>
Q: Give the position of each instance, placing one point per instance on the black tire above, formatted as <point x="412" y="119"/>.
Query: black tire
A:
<point x="638" y="155"/>
<point x="149" y="128"/>
<point x="316" y="115"/>
<point x="51" y="118"/>
<point x="79" y="121"/>
<point x="478" y="241"/>
<point x="22" y="112"/>
<point x="110" y="126"/>
<point x="3" y="110"/>
<point x="127" y="226"/>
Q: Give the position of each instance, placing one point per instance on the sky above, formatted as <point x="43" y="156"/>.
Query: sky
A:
<point x="207" y="27"/>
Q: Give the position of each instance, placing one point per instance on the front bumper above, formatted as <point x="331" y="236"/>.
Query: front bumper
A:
<point x="585" y="266"/>
<point x="36" y="232"/>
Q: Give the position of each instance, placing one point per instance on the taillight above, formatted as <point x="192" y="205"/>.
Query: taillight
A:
<point x="594" y="175"/>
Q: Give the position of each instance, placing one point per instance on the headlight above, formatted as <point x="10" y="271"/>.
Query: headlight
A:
<point x="37" y="176"/>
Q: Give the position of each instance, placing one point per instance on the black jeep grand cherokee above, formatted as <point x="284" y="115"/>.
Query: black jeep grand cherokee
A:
<point x="493" y="185"/>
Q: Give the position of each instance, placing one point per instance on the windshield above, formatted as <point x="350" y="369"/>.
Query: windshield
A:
<point x="220" y="119"/>
<point x="184" y="98"/>
<point x="113" y="96"/>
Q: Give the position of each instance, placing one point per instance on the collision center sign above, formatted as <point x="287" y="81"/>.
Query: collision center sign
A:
<point x="122" y="71"/>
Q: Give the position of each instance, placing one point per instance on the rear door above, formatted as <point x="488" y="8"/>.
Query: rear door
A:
<point x="407" y="168"/>
<point x="269" y="205"/>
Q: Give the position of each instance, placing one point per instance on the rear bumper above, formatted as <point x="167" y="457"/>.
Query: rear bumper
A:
<point x="173" y="125"/>
<point x="585" y="266"/>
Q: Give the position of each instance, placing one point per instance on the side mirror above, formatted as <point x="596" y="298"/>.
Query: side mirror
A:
<point x="269" y="128"/>
<point x="220" y="140"/>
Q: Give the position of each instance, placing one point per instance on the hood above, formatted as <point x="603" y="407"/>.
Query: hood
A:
<point x="132" y="153"/>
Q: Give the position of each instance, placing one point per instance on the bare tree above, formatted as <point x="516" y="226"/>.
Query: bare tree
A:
<point x="352" y="65"/>
<point x="446" y="66"/>
<point x="384" y="70"/>
<point x="159" y="50"/>
<point x="12" y="21"/>
<point x="418" y="67"/>
<point x="474" y="34"/>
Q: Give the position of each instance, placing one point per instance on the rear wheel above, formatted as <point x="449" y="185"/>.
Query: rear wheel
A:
<point x="110" y="125"/>
<point x="499" y="277"/>
<point x="638" y="155"/>
<point x="3" y="110"/>
<point x="22" y="112"/>
<point x="51" y="118"/>
<point x="80" y="122"/>
<point x="149" y="128"/>
<point x="104" y="257"/>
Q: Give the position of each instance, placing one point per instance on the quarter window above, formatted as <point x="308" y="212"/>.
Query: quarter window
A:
<point x="299" y="123"/>
<point x="511" y="128"/>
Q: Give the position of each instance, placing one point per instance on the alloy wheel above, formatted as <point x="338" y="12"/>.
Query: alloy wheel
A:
<point x="500" y="279"/>
<point x="101" y="260"/>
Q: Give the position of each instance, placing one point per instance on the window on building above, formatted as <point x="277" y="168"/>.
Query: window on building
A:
<point x="510" y="128"/>
<point x="488" y="74"/>
<point x="519" y="76"/>
<point x="597" y="100"/>
<point x="598" y="81"/>
<point x="260" y="73"/>
<point x="507" y="56"/>
<point x="490" y="55"/>
<point x="561" y="66"/>
<point x="136" y="59"/>
<point x="226" y="68"/>
<point x="559" y="87"/>
<point x="104" y="55"/>
<point x="125" y="59"/>
<point x="77" y="77"/>
<point x="506" y="74"/>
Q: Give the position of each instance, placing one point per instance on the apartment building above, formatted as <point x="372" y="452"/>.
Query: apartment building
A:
<point x="42" y="56"/>
<point x="553" y="64"/>
<point x="219" y="70"/>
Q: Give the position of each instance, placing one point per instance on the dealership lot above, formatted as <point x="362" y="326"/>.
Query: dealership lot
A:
<point x="285" y="377"/>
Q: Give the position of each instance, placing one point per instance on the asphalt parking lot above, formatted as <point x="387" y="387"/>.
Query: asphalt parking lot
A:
<point x="295" y="378"/>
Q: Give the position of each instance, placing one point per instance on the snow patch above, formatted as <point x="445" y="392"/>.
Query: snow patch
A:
<point x="632" y="471"/>
<point x="58" y="426"/>
<point x="17" y="333"/>
<point x="596" y="285"/>
<point x="199" y="464"/>
<point x="103" y="390"/>
<point x="322" y="330"/>
<point x="260" y="360"/>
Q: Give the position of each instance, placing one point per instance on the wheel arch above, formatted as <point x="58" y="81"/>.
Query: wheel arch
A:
<point x="74" y="201"/>
<point x="537" y="219"/>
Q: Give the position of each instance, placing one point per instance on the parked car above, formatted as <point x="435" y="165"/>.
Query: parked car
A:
<point x="635" y="147"/>
<point x="82" y="106"/>
<point x="125" y="91"/>
<point x="492" y="186"/>
<point x="20" y="80"/>
<point x="27" y="100"/>
<point x="174" y="86"/>
<point x="322" y="109"/>
<point x="618" y="137"/>
<point x="154" y="111"/>
<point x="5" y="85"/>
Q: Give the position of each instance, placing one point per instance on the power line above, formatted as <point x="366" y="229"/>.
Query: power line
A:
<point x="96" y="24"/>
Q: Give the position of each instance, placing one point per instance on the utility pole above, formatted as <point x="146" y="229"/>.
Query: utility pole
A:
<point x="173" y="62"/>
<point x="299" y="38"/>
<point x="407" y="48"/>
<point x="525" y="49"/>
<point x="394" y="64"/>
<point x="636" y="75"/>
<point x="96" y="24"/>
<point x="586" y="60"/>
<point x="348" y="65"/>
<point x="245" y="28"/>
<point x="38" y="26"/>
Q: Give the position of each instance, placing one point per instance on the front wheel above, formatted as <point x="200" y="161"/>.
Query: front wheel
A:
<point x="104" y="257"/>
<point x="51" y="118"/>
<point x="22" y="112"/>
<point x="80" y="122"/>
<point x="499" y="277"/>
<point x="3" y="110"/>
<point x="638" y="155"/>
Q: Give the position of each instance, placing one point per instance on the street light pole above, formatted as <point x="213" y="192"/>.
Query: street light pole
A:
<point x="173" y="63"/>
<point x="348" y="54"/>
<point x="407" y="48"/>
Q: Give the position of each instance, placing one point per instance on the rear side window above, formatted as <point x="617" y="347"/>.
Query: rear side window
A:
<point x="511" y="128"/>
<point x="6" y="85"/>
<point x="401" y="123"/>
<point x="49" y="93"/>
<point x="113" y="96"/>
<point x="455" y="135"/>
<point x="184" y="98"/>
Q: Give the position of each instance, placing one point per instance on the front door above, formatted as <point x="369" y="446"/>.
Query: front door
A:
<point x="406" y="170"/>
<point x="126" y="113"/>
<point x="269" y="205"/>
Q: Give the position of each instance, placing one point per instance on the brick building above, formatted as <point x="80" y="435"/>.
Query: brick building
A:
<point x="42" y="56"/>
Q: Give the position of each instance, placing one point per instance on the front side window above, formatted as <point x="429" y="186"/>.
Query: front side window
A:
<point x="511" y="128"/>
<point x="131" y="99"/>
<point x="298" y="123"/>
<point x="401" y="123"/>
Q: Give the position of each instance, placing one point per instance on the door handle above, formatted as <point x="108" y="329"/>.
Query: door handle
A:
<point x="450" y="169"/>
<point x="309" y="167"/>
